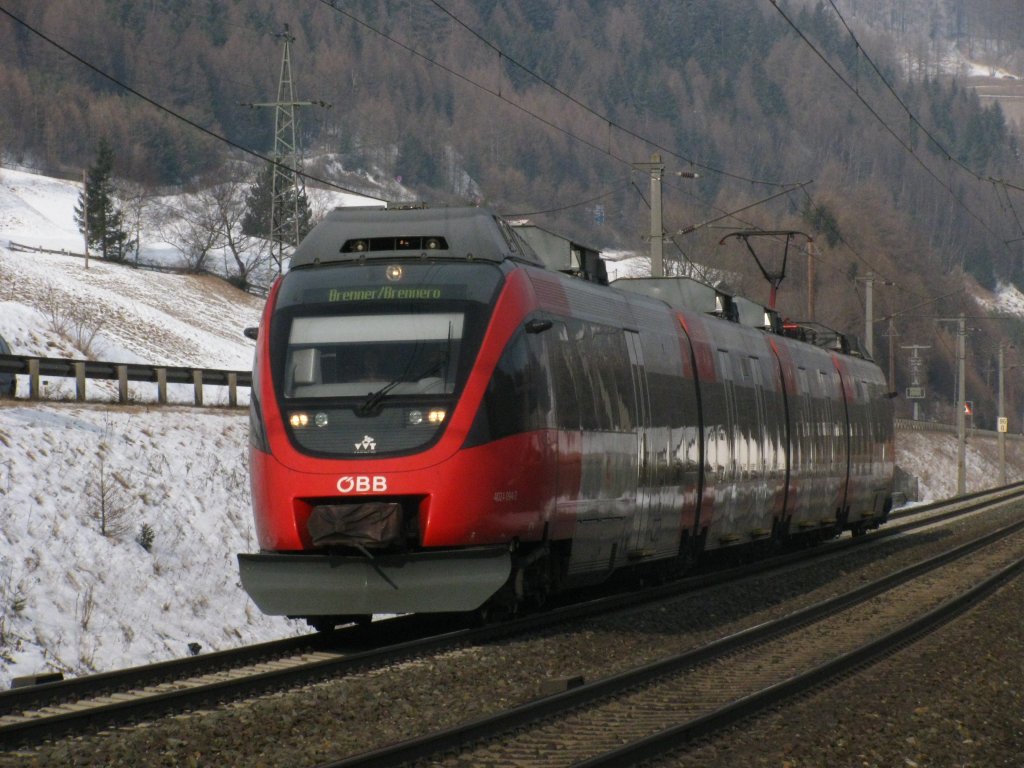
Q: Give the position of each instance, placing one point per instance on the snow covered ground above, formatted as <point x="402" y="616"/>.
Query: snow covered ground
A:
<point x="173" y="478"/>
<point x="71" y="598"/>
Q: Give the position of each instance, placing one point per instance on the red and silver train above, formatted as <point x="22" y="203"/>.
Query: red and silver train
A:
<point x="441" y="422"/>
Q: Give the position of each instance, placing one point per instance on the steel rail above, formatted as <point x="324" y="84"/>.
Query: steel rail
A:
<point x="673" y="738"/>
<point x="86" y="715"/>
<point x="456" y="738"/>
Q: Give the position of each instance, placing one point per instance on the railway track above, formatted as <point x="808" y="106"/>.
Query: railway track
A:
<point x="32" y="715"/>
<point x="653" y="709"/>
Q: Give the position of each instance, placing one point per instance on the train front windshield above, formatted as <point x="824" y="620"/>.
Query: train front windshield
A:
<point x="355" y="355"/>
<point x="369" y="359"/>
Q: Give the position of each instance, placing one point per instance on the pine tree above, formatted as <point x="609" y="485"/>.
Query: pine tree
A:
<point x="258" y="205"/>
<point x="97" y="207"/>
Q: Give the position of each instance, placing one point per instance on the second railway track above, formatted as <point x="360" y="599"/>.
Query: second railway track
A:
<point x="643" y="712"/>
<point x="332" y="668"/>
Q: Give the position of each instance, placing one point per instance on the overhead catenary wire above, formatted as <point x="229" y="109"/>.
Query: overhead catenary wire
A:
<point x="885" y="81"/>
<point x="590" y="110"/>
<point x="874" y="113"/>
<point x="568" y="207"/>
<point x="499" y="94"/>
<point x="167" y="110"/>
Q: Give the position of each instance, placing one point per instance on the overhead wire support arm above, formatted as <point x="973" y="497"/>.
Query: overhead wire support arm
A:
<point x="694" y="227"/>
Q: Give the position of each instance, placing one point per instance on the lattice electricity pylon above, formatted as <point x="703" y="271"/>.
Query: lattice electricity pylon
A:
<point x="287" y="186"/>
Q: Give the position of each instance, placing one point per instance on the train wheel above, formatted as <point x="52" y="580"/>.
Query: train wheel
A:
<point x="482" y="616"/>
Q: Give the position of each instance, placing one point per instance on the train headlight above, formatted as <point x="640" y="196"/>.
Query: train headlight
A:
<point x="298" y="420"/>
<point x="393" y="272"/>
<point x="320" y="419"/>
<point x="433" y="416"/>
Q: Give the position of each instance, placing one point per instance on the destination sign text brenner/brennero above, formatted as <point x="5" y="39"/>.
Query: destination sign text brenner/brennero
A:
<point x="384" y="293"/>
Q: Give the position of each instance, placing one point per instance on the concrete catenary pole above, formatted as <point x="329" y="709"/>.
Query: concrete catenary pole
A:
<point x="657" y="230"/>
<point x="961" y="409"/>
<point x="657" y="169"/>
<point x="1001" y="426"/>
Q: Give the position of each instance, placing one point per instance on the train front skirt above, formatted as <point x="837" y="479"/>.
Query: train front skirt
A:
<point x="326" y="585"/>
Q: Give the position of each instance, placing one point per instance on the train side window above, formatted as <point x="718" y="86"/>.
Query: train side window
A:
<point x="622" y="382"/>
<point x="564" y="375"/>
<point x="518" y="396"/>
<point x="605" y="366"/>
<point x="580" y="352"/>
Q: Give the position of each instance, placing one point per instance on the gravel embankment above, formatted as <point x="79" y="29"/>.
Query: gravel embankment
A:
<point x="954" y="699"/>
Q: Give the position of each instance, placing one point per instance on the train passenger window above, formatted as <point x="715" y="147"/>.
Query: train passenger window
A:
<point x="598" y="358"/>
<point x="564" y="372"/>
<point x="611" y="360"/>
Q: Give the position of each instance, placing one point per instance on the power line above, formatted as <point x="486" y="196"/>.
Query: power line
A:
<point x="590" y="110"/>
<point x="611" y="124"/>
<point x="880" y="119"/>
<point x="164" y="109"/>
<point x="892" y="90"/>
<point x="594" y="199"/>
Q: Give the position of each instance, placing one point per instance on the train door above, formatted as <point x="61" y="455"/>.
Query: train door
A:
<point x="838" y="446"/>
<point x="806" y="457"/>
<point x="722" y="452"/>
<point x="763" y="457"/>
<point x="639" y="540"/>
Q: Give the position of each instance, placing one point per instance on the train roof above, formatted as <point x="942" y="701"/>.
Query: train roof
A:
<point x="681" y="293"/>
<point x="687" y="294"/>
<point x="563" y="254"/>
<point x="362" y="233"/>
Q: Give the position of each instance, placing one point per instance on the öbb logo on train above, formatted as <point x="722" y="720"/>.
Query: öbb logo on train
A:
<point x="362" y="484"/>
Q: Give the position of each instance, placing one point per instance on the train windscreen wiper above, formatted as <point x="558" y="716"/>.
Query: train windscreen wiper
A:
<point x="371" y="406"/>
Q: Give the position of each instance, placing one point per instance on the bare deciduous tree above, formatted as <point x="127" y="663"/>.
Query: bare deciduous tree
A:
<point x="250" y="254"/>
<point x="135" y="199"/>
<point x="193" y="229"/>
<point x="108" y="499"/>
<point x="210" y="220"/>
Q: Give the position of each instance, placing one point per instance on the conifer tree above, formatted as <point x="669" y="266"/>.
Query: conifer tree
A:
<point x="259" y="203"/>
<point x="98" y="207"/>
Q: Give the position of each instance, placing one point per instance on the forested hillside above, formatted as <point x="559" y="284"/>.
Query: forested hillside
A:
<point x="866" y="140"/>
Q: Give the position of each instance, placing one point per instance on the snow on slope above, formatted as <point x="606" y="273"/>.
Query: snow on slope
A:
<point x="139" y="317"/>
<point x="76" y="601"/>
<point x="72" y="599"/>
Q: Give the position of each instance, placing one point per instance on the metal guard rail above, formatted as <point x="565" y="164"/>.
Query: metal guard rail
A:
<point x="161" y="375"/>
<point x="909" y="425"/>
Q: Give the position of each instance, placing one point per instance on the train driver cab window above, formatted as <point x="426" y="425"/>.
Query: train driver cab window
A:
<point x="518" y="397"/>
<point x="350" y="355"/>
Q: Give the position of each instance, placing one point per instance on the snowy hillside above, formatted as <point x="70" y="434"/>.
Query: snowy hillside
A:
<point x="174" y="478"/>
<point x="72" y="599"/>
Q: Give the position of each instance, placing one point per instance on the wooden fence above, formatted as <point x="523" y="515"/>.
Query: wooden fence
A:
<point x="80" y="370"/>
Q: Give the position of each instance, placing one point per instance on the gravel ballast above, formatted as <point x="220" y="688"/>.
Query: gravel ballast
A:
<point x="953" y="699"/>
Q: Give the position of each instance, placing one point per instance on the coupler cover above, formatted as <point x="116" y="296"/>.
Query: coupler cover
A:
<point x="373" y="524"/>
